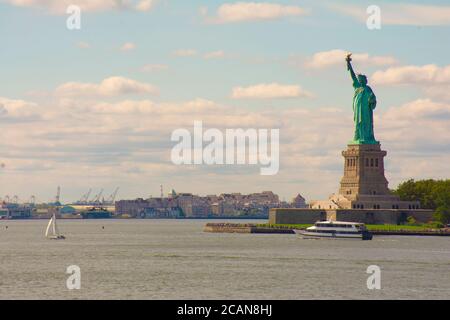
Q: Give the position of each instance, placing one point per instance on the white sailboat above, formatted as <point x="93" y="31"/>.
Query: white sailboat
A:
<point x="52" y="231"/>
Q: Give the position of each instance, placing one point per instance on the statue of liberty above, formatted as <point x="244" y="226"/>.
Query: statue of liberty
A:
<point x="364" y="102"/>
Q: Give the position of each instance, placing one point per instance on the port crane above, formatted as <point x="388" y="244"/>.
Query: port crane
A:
<point x="58" y="196"/>
<point x="56" y="202"/>
<point x="112" y="197"/>
<point x="97" y="198"/>
<point x="85" y="198"/>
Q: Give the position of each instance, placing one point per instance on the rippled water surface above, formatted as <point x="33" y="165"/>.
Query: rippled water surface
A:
<point x="174" y="259"/>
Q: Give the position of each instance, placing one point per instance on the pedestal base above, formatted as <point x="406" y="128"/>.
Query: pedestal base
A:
<point x="363" y="171"/>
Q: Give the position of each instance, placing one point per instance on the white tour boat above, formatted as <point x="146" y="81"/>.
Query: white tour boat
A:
<point x="336" y="230"/>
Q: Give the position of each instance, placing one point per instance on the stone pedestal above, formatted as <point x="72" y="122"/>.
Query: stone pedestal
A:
<point x="363" y="171"/>
<point x="364" y="185"/>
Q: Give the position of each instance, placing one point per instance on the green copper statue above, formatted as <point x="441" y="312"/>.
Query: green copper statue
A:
<point x="364" y="102"/>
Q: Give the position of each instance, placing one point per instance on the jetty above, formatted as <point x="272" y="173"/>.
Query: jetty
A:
<point x="245" y="228"/>
<point x="429" y="232"/>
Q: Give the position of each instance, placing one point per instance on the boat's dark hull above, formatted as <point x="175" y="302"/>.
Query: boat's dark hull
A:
<point x="96" y="215"/>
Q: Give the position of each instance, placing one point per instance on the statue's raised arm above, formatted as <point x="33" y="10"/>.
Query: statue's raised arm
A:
<point x="352" y="73"/>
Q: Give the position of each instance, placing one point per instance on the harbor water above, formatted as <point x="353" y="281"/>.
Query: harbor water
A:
<point x="175" y="259"/>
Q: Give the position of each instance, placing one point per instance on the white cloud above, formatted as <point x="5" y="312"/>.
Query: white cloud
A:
<point x="128" y="46"/>
<point x="112" y="86"/>
<point x="402" y="14"/>
<point x="420" y="109"/>
<point x="253" y="11"/>
<point x="185" y="53"/>
<point x="17" y="108"/>
<point x="145" y="5"/>
<point x="415" y="134"/>
<point x="325" y="59"/>
<point x="432" y="79"/>
<point x="214" y="55"/>
<point x="422" y="75"/>
<point x="269" y="91"/>
<point x="440" y="92"/>
<point x="60" y="6"/>
<point x="197" y="106"/>
<point x="154" y="67"/>
<point x="124" y="107"/>
<point x="192" y="52"/>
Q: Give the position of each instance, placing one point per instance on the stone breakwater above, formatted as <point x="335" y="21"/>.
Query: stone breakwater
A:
<point x="431" y="232"/>
<point x="245" y="228"/>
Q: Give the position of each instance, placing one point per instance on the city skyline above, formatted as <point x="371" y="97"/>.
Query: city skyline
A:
<point x="95" y="107"/>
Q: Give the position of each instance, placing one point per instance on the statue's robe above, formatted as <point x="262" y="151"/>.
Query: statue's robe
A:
<point x="364" y="102"/>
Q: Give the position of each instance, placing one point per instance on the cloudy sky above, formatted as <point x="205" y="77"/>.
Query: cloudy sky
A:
<point x="95" y="107"/>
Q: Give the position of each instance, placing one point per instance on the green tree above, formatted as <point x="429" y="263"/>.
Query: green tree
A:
<point x="442" y="214"/>
<point x="432" y="194"/>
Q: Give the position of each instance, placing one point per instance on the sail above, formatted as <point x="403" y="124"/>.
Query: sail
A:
<point x="48" y="227"/>
<point x="55" y="227"/>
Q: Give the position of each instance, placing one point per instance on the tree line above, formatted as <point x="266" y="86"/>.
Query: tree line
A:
<point x="432" y="194"/>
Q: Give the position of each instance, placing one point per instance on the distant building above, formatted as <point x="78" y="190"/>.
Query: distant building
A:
<point x="299" y="202"/>
<point x="131" y="207"/>
<point x="168" y="213"/>
<point x="15" y="211"/>
<point x="3" y="213"/>
<point x="193" y="206"/>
